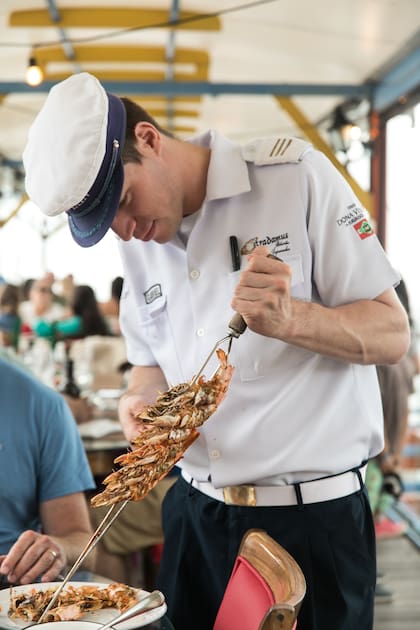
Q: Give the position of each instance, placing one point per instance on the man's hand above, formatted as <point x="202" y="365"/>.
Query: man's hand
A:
<point x="129" y="405"/>
<point x="262" y="296"/>
<point x="33" y="555"/>
<point x="144" y="385"/>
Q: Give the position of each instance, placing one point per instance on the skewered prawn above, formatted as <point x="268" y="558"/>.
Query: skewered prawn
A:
<point x="169" y="429"/>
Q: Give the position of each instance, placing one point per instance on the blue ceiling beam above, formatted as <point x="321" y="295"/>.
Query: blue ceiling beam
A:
<point x="65" y="43"/>
<point x="179" y="88"/>
<point x="402" y="79"/>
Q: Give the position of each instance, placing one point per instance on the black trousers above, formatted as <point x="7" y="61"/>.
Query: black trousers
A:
<point x="333" y="542"/>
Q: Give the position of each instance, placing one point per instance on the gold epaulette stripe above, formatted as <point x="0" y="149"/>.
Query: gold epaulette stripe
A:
<point x="280" y="149"/>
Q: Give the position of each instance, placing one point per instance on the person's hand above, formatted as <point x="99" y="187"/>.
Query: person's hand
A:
<point x="144" y="385"/>
<point x="129" y="405"/>
<point x="389" y="463"/>
<point x="33" y="555"/>
<point x="263" y="297"/>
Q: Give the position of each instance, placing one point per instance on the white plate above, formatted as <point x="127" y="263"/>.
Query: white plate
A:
<point x="110" y="393"/>
<point x="99" y="428"/>
<point x="100" y="616"/>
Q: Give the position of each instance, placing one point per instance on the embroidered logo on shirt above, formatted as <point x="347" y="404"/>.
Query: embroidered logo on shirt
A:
<point x="352" y="215"/>
<point x="277" y="244"/>
<point x="364" y="229"/>
<point x="153" y="293"/>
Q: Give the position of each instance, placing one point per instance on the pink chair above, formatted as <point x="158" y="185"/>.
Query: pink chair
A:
<point x="265" y="590"/>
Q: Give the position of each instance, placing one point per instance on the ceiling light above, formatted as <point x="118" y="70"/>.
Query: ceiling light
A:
<point x="34" y="74"/>
<point x="343" y="131"/>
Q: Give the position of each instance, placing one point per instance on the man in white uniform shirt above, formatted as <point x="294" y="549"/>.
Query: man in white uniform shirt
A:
<point x="303" y="412"/>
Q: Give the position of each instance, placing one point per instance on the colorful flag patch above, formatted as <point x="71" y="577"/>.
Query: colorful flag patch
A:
<point x="364" y="229"/>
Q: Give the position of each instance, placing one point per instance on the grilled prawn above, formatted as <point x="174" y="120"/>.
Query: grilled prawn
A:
<point x="170" y="427"/>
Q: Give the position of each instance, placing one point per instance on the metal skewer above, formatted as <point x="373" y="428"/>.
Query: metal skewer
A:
<point x="103" y="526"/>
<point x="236" y="327"/>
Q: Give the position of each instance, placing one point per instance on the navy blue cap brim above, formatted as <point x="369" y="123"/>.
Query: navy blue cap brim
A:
<point x="91" y="220"/>
<point x="90" y="229"/>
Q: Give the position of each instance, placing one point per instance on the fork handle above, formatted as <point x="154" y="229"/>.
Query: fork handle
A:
<point x="237" y="325"/>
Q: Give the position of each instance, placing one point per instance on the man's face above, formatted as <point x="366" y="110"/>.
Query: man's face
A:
<point x="151" y="206"/>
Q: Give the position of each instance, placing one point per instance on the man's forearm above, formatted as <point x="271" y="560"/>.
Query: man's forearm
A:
<point x="72" y="545"/>
<point x="367" y="332"/>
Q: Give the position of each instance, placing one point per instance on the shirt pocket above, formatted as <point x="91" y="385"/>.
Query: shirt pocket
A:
<point x="152" y="314"/>
<point x="297" y="284"/>
<point x="157" y="330"/>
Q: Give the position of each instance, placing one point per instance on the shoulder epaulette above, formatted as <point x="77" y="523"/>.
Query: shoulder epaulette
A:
<point x="275" y="150"/>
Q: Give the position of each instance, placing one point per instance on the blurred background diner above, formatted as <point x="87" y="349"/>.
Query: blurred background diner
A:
<point x="40" y="304"/>
<point x="10" y="321"/>
<point x="111" y="308"/>
<point x="44" y="516"/>
<point x="69" y="341"/>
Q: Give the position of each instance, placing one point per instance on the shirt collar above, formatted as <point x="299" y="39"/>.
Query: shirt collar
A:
<point x="227" y="175"/>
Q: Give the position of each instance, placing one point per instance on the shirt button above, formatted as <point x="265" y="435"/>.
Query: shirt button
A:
<point x="194" y="274"/>
<point x="200" y="332"/>
<point x="214" y="454"/>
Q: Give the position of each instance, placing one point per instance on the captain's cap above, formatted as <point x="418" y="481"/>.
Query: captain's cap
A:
<point x="72" y="159"/>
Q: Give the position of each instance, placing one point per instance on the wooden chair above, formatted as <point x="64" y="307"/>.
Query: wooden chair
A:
<point x="101" y="357"/>
<point x="266" y="587"/>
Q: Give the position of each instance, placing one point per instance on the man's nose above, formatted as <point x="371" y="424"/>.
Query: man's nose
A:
<point x="123" y="226"/>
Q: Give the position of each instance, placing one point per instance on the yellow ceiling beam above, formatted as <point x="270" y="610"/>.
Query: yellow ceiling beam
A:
<point x="129" y="75"/>
<point x="180" y="113"/>
<point x="161" y="101"/>
<point x="124" y="54"/>
<point x="194" y="61"/>
<point x="181" y="129"/>
<point x="112" y="17"/>
<point x="312" y="133"/>
<point x="14" y="212"/>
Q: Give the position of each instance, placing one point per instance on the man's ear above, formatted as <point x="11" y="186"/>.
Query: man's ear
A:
<point x="148" y="137"/>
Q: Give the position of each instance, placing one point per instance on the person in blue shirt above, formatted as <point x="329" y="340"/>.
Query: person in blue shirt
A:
<point x="10" y="322"/>
<point x="44" y="472"/>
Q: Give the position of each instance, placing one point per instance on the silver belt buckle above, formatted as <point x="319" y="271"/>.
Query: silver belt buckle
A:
<point x="240" y="495"/>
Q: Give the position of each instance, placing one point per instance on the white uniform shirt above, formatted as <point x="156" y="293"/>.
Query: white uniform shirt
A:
<point x="290" y="414"/>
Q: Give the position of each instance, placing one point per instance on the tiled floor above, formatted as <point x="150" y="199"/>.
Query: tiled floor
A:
<point x="399" y="562"/>
<point x="399" y="559"/>
<point x="409" y="505"/>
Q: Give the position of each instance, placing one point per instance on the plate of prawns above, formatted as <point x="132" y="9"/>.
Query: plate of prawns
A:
<point x="21" y="606"/>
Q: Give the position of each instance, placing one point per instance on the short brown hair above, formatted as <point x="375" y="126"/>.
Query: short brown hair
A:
<point x="136" y="113"/>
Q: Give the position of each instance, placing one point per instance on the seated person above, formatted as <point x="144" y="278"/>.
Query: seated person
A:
<point x="111" y="309"/>
<point x="44" y="516"/>
<point x="40" y="304"/>
<point x="9" y="318"/>
<point x="85" y="320"/>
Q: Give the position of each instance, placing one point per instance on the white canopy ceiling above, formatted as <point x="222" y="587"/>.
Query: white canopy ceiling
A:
<point x="319" y="53"/>
<point x="220" y="72"/>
